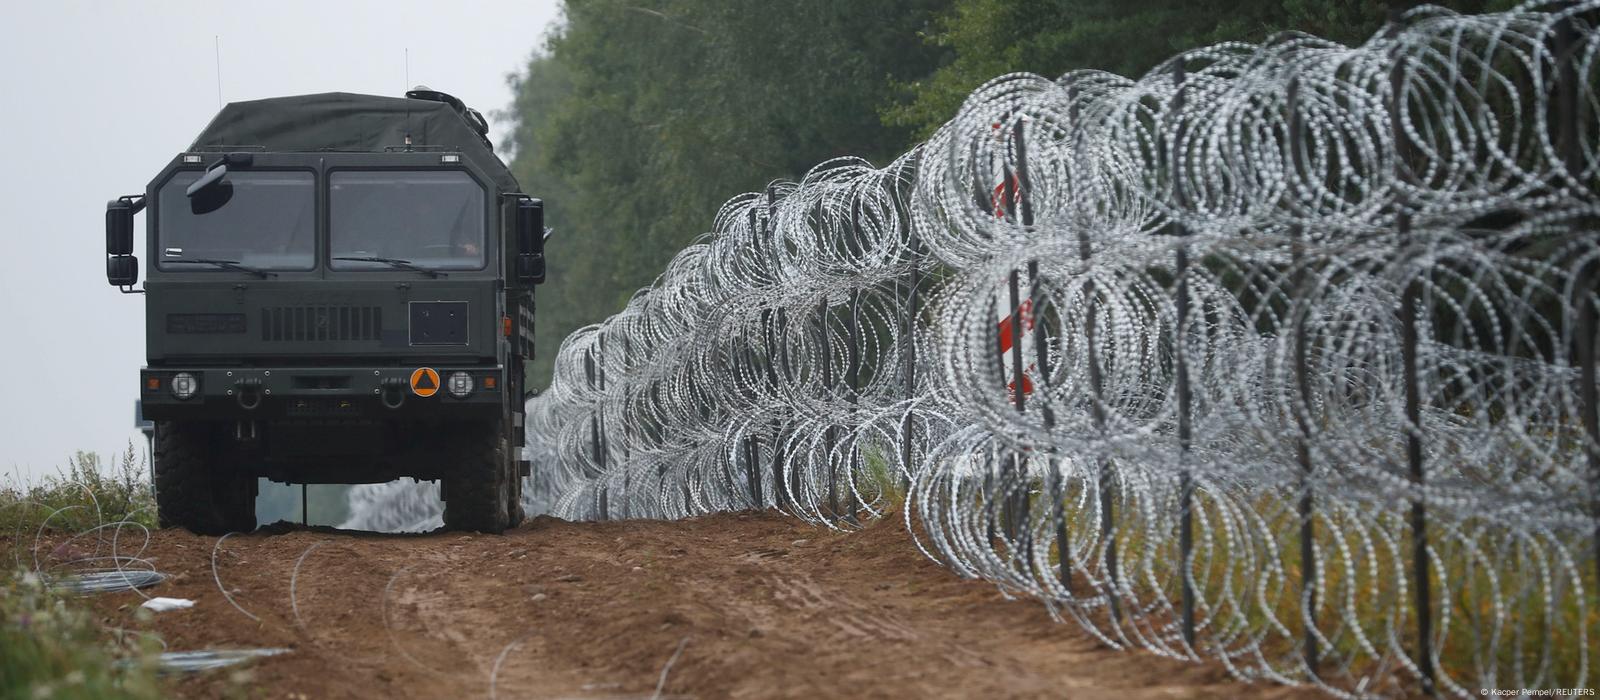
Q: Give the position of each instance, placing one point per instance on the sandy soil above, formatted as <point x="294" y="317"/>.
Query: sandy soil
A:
<point x="750" y="605"/>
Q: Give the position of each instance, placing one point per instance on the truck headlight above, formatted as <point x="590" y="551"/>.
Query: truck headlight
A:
<point x="185" y="386"/>
<point x="460" y="385"/>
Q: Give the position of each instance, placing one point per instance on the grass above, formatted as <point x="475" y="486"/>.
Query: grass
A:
<point x="52" y="649"/>
<point x="52" y="646"/>
<point x="84" y="495"/>
<point x="882" y="479"/>
<point x="1516" y="613"/>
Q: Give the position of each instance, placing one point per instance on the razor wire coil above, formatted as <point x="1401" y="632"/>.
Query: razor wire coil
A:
<point x="1185" y="357"/>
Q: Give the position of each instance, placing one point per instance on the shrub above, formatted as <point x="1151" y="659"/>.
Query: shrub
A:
<point x="87" y="494"/>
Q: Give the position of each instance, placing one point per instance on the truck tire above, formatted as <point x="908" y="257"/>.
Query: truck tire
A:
<point x="193" y="489"/>
<point x="514" y="505"/>
<point x="514" y="457"/>
<point x="477" y="487"/>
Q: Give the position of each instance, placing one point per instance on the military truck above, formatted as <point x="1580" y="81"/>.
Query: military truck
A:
<point x="340" y="291"/>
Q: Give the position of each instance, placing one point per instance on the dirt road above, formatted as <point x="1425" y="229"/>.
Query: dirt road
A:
<point x="751" y="606"/>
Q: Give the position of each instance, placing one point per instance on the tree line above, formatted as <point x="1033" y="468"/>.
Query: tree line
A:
<point x="636" y="119"/>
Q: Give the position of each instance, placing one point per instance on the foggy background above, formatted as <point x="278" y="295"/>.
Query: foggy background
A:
<point x="98" y="96"/>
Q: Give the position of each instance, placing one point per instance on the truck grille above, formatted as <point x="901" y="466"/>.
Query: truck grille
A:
<point x="303" y="323"/>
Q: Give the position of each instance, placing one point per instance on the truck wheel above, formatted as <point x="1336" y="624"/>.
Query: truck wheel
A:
<point x="514" y="457"/>
<point x="514" y="505"/>
<point x="194" y="490"/>
<point x="478" y="486"/>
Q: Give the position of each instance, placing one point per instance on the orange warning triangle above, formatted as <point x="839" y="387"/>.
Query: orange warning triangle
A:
<point x="424" y="382"/>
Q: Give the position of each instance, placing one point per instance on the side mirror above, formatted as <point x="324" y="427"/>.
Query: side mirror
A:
<point x="212" y="191"/>
<point x="530" y="268"/>
<point x="119" y="227"/>
<point x="122" y="270"/>
<point x="530" y="226"/>
<point x="211" y="178"/>
<point x="530" y="241"/>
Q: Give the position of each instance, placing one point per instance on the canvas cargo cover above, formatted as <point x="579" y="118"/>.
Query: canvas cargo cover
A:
<point x="342" y="121"/>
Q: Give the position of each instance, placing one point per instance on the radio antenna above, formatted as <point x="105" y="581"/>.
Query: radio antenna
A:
<point x="216" y="46"/>
<point x="404" y="93"/>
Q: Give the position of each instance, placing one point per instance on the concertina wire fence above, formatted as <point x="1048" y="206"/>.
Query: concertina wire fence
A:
<point x="1304" y="333"/>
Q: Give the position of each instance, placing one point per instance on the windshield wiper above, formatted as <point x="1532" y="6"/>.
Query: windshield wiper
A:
<point x="396" y="263"/>
<point x="224" y="264"/>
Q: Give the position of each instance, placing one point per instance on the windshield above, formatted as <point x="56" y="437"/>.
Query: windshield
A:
<point x="432" y="220"/>
<point x="268" y="222"/>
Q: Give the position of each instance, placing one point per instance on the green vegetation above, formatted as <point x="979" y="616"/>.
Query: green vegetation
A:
<point x="639" y="119"/>
<point x="88" y="493"/>
<point x="879" y="480"/>
<point x="1547" y="623"/>
<point x="1051" y="37"/>
<point x="50" y="649"/>
<point x="51" y="646"/>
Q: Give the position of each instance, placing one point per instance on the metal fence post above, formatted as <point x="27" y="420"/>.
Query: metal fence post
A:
<point x="853" y="379"/>
<point x="769" y="326"/>
<point x="1098" y="412"/>
<point x="1013" y="511"/>
<point x="595" y="381"/>
<point x="1041" y="329"/>
<point x="751" y="442"/>
<point x="1041" y="345"/>
<point x="1026" y="313"/>
<point x="1014" y="505"/>
<point x="1414" y="461"/>
<point x="908" y="355"/>
<point x="627" y="476"/>
<point x="752" y="448"/>
<point x="1185" y="399"/>
<point x="1409" y="299"/>
<point x="1589" y="404"/>
<point x="1302" y="376"/>
<point x="830" y="435"/>
<point x="780" y="487"/>
<point x="1570" y="147"/>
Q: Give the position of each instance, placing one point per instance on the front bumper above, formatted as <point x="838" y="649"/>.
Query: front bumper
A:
<point x="322" y="392"/>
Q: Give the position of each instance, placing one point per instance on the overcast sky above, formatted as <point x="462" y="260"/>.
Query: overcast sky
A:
<point x="98" y="96"/>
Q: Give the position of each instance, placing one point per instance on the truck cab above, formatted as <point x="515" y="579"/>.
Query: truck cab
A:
<point x="340" y="290"/>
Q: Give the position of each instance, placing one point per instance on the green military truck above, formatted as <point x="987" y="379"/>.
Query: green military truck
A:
<point x="340" y="291"/>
